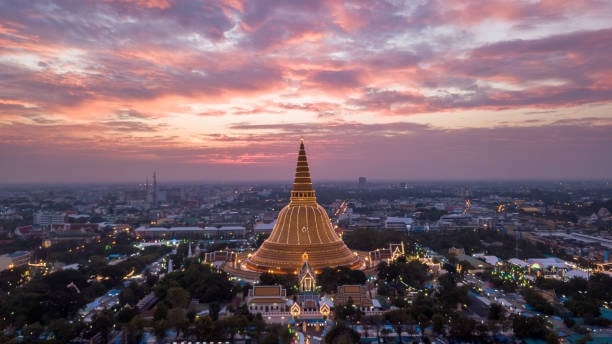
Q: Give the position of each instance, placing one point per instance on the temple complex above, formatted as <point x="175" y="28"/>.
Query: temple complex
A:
<point x="303" y="229"/>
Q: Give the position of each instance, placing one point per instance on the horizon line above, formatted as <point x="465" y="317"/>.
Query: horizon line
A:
<point x="321" y="181"/>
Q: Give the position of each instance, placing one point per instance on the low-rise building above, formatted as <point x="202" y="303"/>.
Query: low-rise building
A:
<point x="268" y="298"/>
<point x="399" y="223"/>
<point x="14" y="260"/>
<point x="169" y="233"/>
<point x="357" y="294"/>
<point x="224" y="231"/>
<point x="263" y="227"/>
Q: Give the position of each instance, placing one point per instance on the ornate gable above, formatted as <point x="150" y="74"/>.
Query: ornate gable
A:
<point x="307" y="276"/>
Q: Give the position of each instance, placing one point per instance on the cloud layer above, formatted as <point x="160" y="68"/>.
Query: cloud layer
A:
<point x="222" y="90"/>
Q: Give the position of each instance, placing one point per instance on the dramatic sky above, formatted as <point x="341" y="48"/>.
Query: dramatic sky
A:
<point x="112" y="90"/>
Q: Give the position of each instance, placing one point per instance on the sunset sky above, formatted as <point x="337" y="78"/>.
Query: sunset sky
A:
<point x="110" y="91"/>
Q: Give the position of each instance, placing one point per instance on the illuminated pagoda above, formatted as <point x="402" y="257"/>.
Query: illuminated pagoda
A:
<point x="302" y="228"/>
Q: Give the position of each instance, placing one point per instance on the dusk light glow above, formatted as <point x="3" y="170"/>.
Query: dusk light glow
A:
<point x="110" y="91"/>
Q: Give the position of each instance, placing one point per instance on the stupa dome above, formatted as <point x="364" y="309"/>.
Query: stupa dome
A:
<point x="302" y="227"/>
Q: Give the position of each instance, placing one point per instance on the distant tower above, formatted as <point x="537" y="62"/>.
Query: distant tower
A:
<point x="170" y="267"/>
<point x="148" y="195"/>
<point x="154" y="187"/>
<point x="362" y="182"/>
<point x="189" y="253"/>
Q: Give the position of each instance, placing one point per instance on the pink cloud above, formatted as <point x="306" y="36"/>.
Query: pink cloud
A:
<point x="119" y="81"/>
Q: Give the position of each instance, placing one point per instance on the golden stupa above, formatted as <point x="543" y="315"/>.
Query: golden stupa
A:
<point x="302" y="229"/>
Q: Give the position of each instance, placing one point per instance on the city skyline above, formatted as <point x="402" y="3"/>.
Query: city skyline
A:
<point x="110" y="91"/>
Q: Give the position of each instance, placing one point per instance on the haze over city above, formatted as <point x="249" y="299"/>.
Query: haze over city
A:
<point x="110" y="91"/>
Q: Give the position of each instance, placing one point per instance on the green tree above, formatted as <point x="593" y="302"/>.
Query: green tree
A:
<point x="532" y="327"/>
<point x="178" y="297"/>
<point x="256" y="327"/>
<point x="159" y="328"/>
<point x="276" y="334"/>
<point x="462" y="327"/>
<point x="214" y="309"/>
<point x="584" y="306"/>
<point x="538" y="302"/>
<point x="32" y="331"/>
<point x="288" y="281"/>
<point x="423" y="320"/>
<point x="126" y="296"/>
<point x="370" y="239"/>
<point x="348" y="311"/>
<point x="102" y="323"/>
<point x="497" y="312"/>
<point x="64" y="331"/>
<point x="126" y="314"/>
<point x="341" y="334"/>
<point x="599" y="287"/>
<point x="552" y="338"/>
<point x="200" y="281"/>
<point x="397" y="318"/>
<point x="400" y="275"/>
<point x="232" y="325"/>
<point x="205" y="329"/>
<point x="374" y="320"/>
<point x="449" y="293"/>
<point x="330" y="278"/>
<point x="177" y="319"/>
<point x="135" y="329"/>
<point x="437" y="321"/>
<point x="160" y="312"/>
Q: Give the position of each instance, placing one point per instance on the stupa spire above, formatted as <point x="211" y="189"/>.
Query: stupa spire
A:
<point x="302" y="190"/>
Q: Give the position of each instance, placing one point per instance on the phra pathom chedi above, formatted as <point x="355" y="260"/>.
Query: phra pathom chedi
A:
<point x="302" y="229"/>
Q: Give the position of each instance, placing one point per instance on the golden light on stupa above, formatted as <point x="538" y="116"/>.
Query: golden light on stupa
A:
<point x="302" y="227"/>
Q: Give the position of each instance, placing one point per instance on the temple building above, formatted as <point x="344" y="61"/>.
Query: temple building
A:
<point x="306" y="306"/>
<point x="307" y="278"/>
<point x="355" y="294"/>
<point x="267" y="299"/>
<point x="302" y="229"/>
